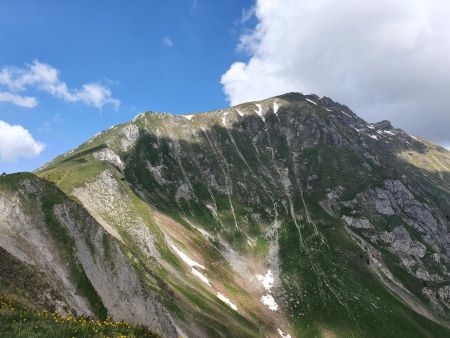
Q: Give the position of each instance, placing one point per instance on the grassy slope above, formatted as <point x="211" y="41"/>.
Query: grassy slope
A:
<point x="183" y="297"/>
<point x="328" y="287"/>
<point x="22" y="322"/>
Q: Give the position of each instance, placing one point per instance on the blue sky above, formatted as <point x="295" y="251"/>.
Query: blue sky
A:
<point x="152" y="55"/>
<point x="69" y="69"/>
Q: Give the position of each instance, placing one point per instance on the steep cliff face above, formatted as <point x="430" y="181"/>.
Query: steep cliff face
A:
<point x="82" y="267"/>
<point x="287" y="216"/>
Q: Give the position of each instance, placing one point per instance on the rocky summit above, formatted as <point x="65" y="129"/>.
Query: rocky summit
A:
<point x="286" y="217"/>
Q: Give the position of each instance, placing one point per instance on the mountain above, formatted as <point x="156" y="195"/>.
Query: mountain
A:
<point x="286" y="217"/>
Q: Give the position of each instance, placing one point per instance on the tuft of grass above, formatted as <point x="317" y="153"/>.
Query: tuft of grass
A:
<point x="261" y="248"/>
<point x="19" y="322"/>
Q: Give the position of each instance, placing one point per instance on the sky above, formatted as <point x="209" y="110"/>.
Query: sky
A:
<point x="69" y="69"/>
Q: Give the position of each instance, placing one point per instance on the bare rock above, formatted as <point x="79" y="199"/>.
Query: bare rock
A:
<point x="426" y="276"/>
<point x="360" y="223"/>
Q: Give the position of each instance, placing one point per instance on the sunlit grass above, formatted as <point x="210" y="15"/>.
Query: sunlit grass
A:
<point x="16" y="321"/>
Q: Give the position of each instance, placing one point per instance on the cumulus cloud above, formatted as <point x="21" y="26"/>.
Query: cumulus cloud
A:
<point x="18" y="100"/>
<point x="16" y="141"/>
<point x="46" y="78"/>
<point x="385" y="59"/>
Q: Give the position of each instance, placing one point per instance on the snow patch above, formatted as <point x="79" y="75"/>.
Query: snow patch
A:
<point x="343" y="112"/>
<point x="267" y="280"/>
<point x="240" y="113"/>
<point x="311" y="102"/>
<point x="328" y="109"/>
<point x="226" y="301"/>
<point x="190" y="116"/>
<point x="204" y="233"/>
<point x="212" y="209"/>
<point x="389" y="132"/>
<point x="186" y="258"/>
<point x="201" y="276"/>
<point x="275" y="107"/>
<point x="356" y="129"/>
<point x="224" y="117"/>
<point x="259" y="111"/>
<point x="370" y="126"/>
<point x="269" y="301"/>
<point x="375" y="137"/>
<point x="281" y="333"/>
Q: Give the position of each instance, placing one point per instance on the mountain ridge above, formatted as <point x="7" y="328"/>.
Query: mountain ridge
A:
<point x="289" y="214"/>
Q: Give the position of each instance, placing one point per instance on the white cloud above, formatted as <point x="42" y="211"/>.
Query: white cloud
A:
<point x="96" y="95"/>
<point x="167" y="41"/>
<point x="45" y="77"/>
<point x="18" y="100"/>
<point x="386" y="60"/>
<point x="16" y="141"/>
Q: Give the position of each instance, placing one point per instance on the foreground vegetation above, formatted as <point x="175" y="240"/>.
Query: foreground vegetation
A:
<point x="16" y="321"/>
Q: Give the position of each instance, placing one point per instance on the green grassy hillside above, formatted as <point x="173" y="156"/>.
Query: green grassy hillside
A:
<point x="289" y="216"/>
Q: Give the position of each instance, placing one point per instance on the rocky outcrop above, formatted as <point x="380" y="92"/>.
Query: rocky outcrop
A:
<point x="40" y="226"/>
<point x="274" y="182"/>
<point x="112" y="275"/>
<point x="108" y="200"/>
<point x="360" y="223"/>
<point x="400" y="241"/>
<point x="26" y="235"/>
<point x="395" y="199"/>
<point x="108" y="155"/>
<point x="444" y="295"/>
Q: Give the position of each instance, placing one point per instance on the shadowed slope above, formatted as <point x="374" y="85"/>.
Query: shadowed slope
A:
<point x="355" y="233"/>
